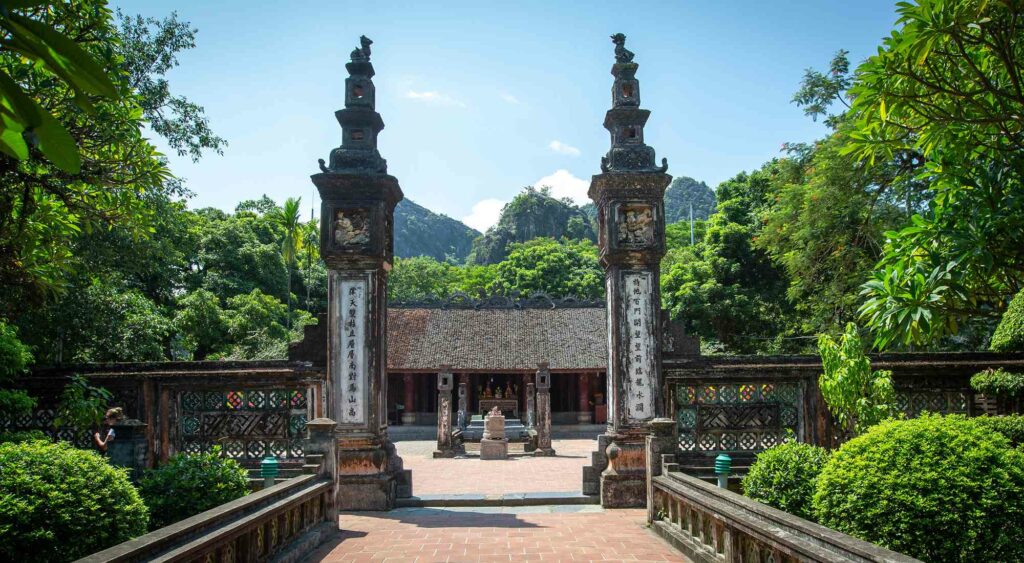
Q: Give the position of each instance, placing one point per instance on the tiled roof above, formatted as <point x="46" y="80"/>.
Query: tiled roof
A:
<point x="497" y="339"/>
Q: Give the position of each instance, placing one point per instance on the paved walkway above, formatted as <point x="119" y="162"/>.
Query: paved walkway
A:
<point x="518" y="474"/>
<point x="534" y="533"/>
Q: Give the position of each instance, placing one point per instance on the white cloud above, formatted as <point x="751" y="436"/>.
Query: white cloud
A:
<point x="436" y="98"/>
<point x="564" y="184"/>
<point x="560" y="147"/>
<point x="485" y="213"/>
<point x="510" y="98"/>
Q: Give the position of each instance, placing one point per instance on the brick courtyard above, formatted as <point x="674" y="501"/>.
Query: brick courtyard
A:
<point x="526" y="474"/>
<point x="537" y="533"/>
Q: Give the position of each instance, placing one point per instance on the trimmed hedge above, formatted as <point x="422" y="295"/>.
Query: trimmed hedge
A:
<point x="936" y="488"/>
<point x="1011" y="426"/>
<point x="189" y="484"/>
<point x="785" y="477"/>
<point x="19" y="436"/>
<point x="998" y="383"/>
<point x="1009" y="334"/>
<point x="59" y="503"/>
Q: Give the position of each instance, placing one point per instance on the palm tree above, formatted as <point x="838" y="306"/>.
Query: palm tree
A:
<point x="290" y="221"/>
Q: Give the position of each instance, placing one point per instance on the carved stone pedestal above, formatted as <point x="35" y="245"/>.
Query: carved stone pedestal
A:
<point x="494" y="444"/>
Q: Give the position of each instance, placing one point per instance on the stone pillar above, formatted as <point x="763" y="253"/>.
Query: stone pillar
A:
<point x="583" y="416"/>
<point x="321" y="454"/>
<point x="129" y="447"/>
<point x="463" y="418"/>
<point x="661" y="442"/>
<point x="629" y="195"/>
<point x="531" y="410"/>
<point x="444" y="413"/>
<point x="356" y="242"/>
<point x="409" y="389"/>
<point x="543" y="411"/>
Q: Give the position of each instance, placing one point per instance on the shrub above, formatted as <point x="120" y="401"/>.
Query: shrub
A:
<point x="1012" y="427"/>
<point x="998" y="383"/>
<point x="19" y="436"/>
<point x="1009" y="334"/>
<point x="189" y="484"/>
<point x="936" y="488"/>
<point x="857" y="396"/>
<point x="785" y="477"/>
<point x="58" y="503"/>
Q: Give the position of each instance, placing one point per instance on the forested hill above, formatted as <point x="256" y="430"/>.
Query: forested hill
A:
<point x="532" y="213"/>
<point x="684" y="191"/>
<point x="421" y="232"/>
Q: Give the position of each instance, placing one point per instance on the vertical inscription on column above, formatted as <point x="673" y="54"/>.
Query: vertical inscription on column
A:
<point x="639" y="362"/>
<point x="352" y="299"/>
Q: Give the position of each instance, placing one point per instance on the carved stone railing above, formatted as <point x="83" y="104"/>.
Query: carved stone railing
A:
<point x="281" y="523"/>
<point x="714" y="525"/>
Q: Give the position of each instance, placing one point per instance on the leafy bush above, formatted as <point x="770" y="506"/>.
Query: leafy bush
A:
<point x="81" y="405"/>
<point x="189" y="484"/>
<point x="936" y="488"/>
<point x="58" y="503"/>
<point x="785" y="477"/>
<point x="19" y="436"/>
<point x="1012" y="427"/>
<point x="998" y="383"/>
<point x="856" y="396"/>
<point x="14" y="359"/>
<point x="1009" y="335"/>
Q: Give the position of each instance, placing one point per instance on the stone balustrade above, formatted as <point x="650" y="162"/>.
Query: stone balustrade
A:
<point x="714" y="525"/>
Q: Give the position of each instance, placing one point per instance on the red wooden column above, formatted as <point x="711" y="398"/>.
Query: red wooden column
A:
<point x="583" y="415"/>
<point x="409" y="414"/>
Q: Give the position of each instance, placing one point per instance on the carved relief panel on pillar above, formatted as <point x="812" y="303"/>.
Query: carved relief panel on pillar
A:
<point x="350" y="299"/>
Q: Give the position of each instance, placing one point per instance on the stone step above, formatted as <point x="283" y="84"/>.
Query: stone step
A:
<point x="507" y="499"/>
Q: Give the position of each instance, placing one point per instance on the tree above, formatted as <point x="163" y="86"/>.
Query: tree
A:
<point x="201" y="322"/>
<point x="420" y="278"/>
<point x="289" y="220"/>
<point x="856" y="396"/>
<point x="946" y="86"/>
<point x="560" y="269"/>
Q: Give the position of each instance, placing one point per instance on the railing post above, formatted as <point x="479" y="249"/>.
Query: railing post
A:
<point x="661" y="441"/>
<point x="321" y="441"/>
<point x="128" y="448"/>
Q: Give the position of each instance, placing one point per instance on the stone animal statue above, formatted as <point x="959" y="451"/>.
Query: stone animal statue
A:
<point x="622" y="54"/>
<point x="362" y="54"/>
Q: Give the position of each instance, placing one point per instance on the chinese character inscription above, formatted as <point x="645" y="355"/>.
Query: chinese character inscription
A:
<point x="352" y="300"/>
<point x="639" y="365"/>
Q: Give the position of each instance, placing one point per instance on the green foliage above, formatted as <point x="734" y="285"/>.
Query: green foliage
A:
<point x="256" y="325"/>
<point x="998" y="383"/>
<point x="421" y="232"/>
<point x="22" y="121"/>
<point x="189" y="484"/>
<point x="684" y="192"/>
<point x="1009" y="334"/>
<point x="19" y="436"/>
<point x="533" y="213"/>
<point x="567" y="268"/>
<point x="1010" y="426"/>
<point x="723" y="288"/>
<point x="819" y="91"/>
<point x="944" y="91"/>
<point x="81" y="405"/>
<point x="856" y="396"/>
<point x="785" y="477"/>
<point x="58" y="503"/>
<point x="421" y="278"/>
<point x="935" y="488"/>
<point x="201" y="322"/>
<point x="14" y="359"/>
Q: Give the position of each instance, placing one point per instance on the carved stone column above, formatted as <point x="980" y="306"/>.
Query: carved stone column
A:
<point x="629" y="195"/>
<point x="356" y="241"/>
<point x="583" y="415"/>
<point x="531" y="409"/>
<point x="463" y="418"/>
<point x="409" y="391"/>
<point x="543" y="411"/>
<point x="444" y="413"/>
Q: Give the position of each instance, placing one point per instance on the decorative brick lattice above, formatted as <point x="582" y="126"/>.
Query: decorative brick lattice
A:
<point x="246" y="424"/>
<point x="737" y="416"/>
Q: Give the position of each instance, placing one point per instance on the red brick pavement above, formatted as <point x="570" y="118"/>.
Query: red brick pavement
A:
<point x="424" y="535"/>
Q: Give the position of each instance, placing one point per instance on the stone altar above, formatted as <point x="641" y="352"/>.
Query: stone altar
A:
<point x="494" y="444"/>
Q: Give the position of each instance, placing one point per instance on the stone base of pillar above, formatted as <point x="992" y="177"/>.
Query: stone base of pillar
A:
<point x="493" y="449"/>
<point x="408" y="418"/>
<point x="598" y="463"/>
<point x="544" y="452"/>
<point x="584" y="417"/>
<point x="618" y="471"/>
<point x="443" y="453"/>
<point x="370" y="475"/>
<point x="623" y="491"/>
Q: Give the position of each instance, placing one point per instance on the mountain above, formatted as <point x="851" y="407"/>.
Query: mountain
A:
<point x="532" y="213"/>
<point x="681" y="193"/>
<point x="421" y="232"/>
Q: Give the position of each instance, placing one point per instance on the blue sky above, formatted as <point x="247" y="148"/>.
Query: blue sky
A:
<point x="482" y="98"/>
